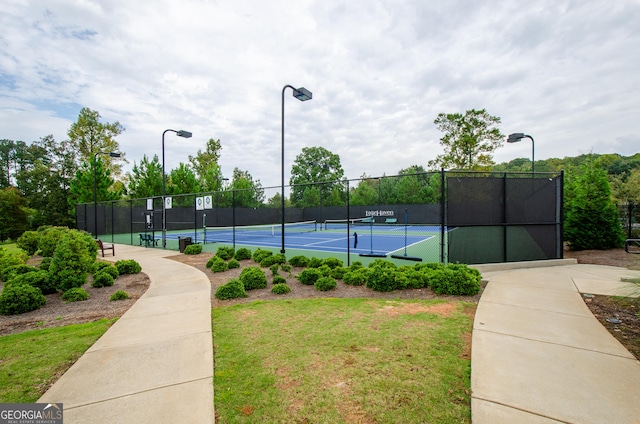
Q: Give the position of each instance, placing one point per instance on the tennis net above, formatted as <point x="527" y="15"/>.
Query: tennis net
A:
<point x="337" y="224"/>
<point x="248" y="232"/>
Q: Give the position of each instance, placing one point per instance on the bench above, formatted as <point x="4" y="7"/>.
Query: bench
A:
<point x="147" y="239"/>
<point x="104" y="247"/>
<point x="632" y="246"/>
<point x="390" y="220"/>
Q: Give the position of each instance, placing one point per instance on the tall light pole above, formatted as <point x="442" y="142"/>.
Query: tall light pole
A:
<point x="301" y="94"/>
<point x="515" y="137"/>
<point x="179" y="133"/>
<point x="95" y="188"/>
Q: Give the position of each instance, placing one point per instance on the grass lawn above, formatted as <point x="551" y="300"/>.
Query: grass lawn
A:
<point x="343" y="360"/>
<point x="30" y="361"/>
<point x="11" y="247"/>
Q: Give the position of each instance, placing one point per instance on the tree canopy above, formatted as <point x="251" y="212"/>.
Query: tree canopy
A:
<point x="316" y="178"/>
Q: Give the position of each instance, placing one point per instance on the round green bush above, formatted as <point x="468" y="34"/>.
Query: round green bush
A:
<point x="286" y="268"/>
<point x="324" y="270"/>
<point x="274" y="269"/>
<point x="210" y="261"/>
<point x="260" y="254"/>
<point x="325" y="284"/>
<point x="381" y="263"/>
<point x="279" y="279"/>
<point x="12" y="271"/>
<point x="273" y="260"/>
<point x="280" y="288"/>
<point x="20" y="298"/>
<point x="193" y="249"/>
<point x="225" y="252"/>
<point x="28" y="242"/>
<point x="8" y="259"/>
<point x="45" y="263"/>
<point x="253" y="278"/>
<point x="338" y="272"/>
<point x="75" y="294"/>
<point x="356" y="277"/>
<point x="333" y="262"/>
<point x="309" y="276"/>
<point x="416" y="279"/>
<point x="39" y="279"/>
<point x="100" y="265"/>
<point x="102" y="279"/>
<point x="455" y="279"/>
<point x="299" y="261"/>
<point x="356" y="265"/>
<point x="119" y="295"/>
<point x="111" y="270"/>
<point x="242" y="253"/>
<point x="381" y="278"/>
<point x="73" y="259"/>
<point x="218" y="264"/>
<point x="233" y="263"/>
<point x="315" y="262"/>
<point x="128" y="266"/>
<point x="49" y="239"/>
<point x="233" y="289"/>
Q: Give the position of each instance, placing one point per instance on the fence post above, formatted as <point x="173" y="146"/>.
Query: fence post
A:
<point x="443" y="219"/>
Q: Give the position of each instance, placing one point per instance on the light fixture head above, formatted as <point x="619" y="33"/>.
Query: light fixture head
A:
<point x="515" y="137"/>
<point x="302" y="94"/>
<point x="115" y="154"/>
<point x="183" y="133"/>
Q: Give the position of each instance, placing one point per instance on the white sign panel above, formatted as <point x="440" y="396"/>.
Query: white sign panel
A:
<point x="208" y="202"/>
<point x="149" y="204"/>
<point x="168" y="202"/>
<point x="199" y="203"/>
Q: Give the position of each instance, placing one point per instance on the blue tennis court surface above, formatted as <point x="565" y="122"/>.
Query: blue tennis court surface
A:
<point x="377" y="239"/>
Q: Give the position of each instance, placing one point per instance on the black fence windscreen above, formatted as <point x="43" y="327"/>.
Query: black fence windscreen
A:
<point x="447" y="216"/>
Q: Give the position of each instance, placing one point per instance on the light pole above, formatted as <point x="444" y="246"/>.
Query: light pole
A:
<point x="515" y="137"/>
<point x="301" y="94"/>
<point x="95" y="188"/>
<point x="179" y="133"/>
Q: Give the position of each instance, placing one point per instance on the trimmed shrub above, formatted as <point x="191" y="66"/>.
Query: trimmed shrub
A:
<point x="356" y="265"/>
<point x="455" y="279"/>
<point x="20" y="298"/>
<point x="279" y="279"/>
<point x="128" y="266"/>
<point x="28" y="242"/>
<point x="218" y="264"/>
<point x="325" y="284"/>
<point x="286" y="268"/>
<point x="242" y="253"/>
<point x="309" y="276"/>
<point x="45" y="263"/>
<point x="273" y="259"/>
<point x="8" y="259"/>
<point x="274" y="269"/>
<point x="102" y="279"/>
<point x="210" y="261"/>
<point x="233" y="263"/>
<point x="259" y="255"/>
<point x="280" y="288"/>
<point x="11" y="272"/>
<point x="49" y="239"/>
<point x="38" y="279"/>
<point x="299" y="261"/>
<point x="315" y="262"/>
<point x="119" y="295"/>
<point x="225" y="252"/>
<point x="324" y="270"/>
<point x="356" y="277"/>
<point x="233" y="289"/>
<point x="416" y="279"/>
<point x="381" y="263"/>
<point x="75" y="294"/>
<point x="253" y="278"/>
<point x="74" y="258"/>
<point x="381" y="278"/>
<point x="338" y="272"/>
<point x="333" y="263"/>
<point x="111" y="270"/>
<point x="193" y="249"/>
<point x="99" y="265"/>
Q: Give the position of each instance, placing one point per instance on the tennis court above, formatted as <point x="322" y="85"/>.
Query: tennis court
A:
<point x="333" y="236"/>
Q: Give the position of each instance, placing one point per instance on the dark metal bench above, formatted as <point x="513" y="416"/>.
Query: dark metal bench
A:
<point x="632" y="246"/>
<point x="147" y="239"/>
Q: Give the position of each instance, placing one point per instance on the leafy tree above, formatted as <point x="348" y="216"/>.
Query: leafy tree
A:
<point x="6" y="152"/>
<point x="316" y="168"/>
<point x="145" y="179"/>
<point x="206" y="167"/>
<point x="591" y="218"/>
<point x="14" y="214"/>
<point x="469" y="140"/>
<point x="72" y="261"/>
<point x="182" y="180"/>
<point x="89" y="136"/>
<point x="82" y="186"/>
<point x="365" y="193"/>
<point x="247" y="192"/>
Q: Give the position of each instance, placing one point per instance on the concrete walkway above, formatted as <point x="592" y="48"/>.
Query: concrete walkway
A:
<point x="540" y="356"/>
<point x="155" y="364"/>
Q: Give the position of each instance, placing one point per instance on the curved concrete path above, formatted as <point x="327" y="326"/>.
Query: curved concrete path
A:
<point x="540" y="356"/>
<point x="155" y="364"/>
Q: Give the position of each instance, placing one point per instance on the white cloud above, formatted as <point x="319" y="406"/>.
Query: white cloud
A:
<point x="380" y="72"/>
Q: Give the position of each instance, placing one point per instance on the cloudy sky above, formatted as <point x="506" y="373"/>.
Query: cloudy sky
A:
<point x="565" y="72"/>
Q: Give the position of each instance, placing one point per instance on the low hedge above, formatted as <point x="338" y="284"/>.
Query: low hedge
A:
<point x="20" y="298"/>
<point x="233" y="289"/>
